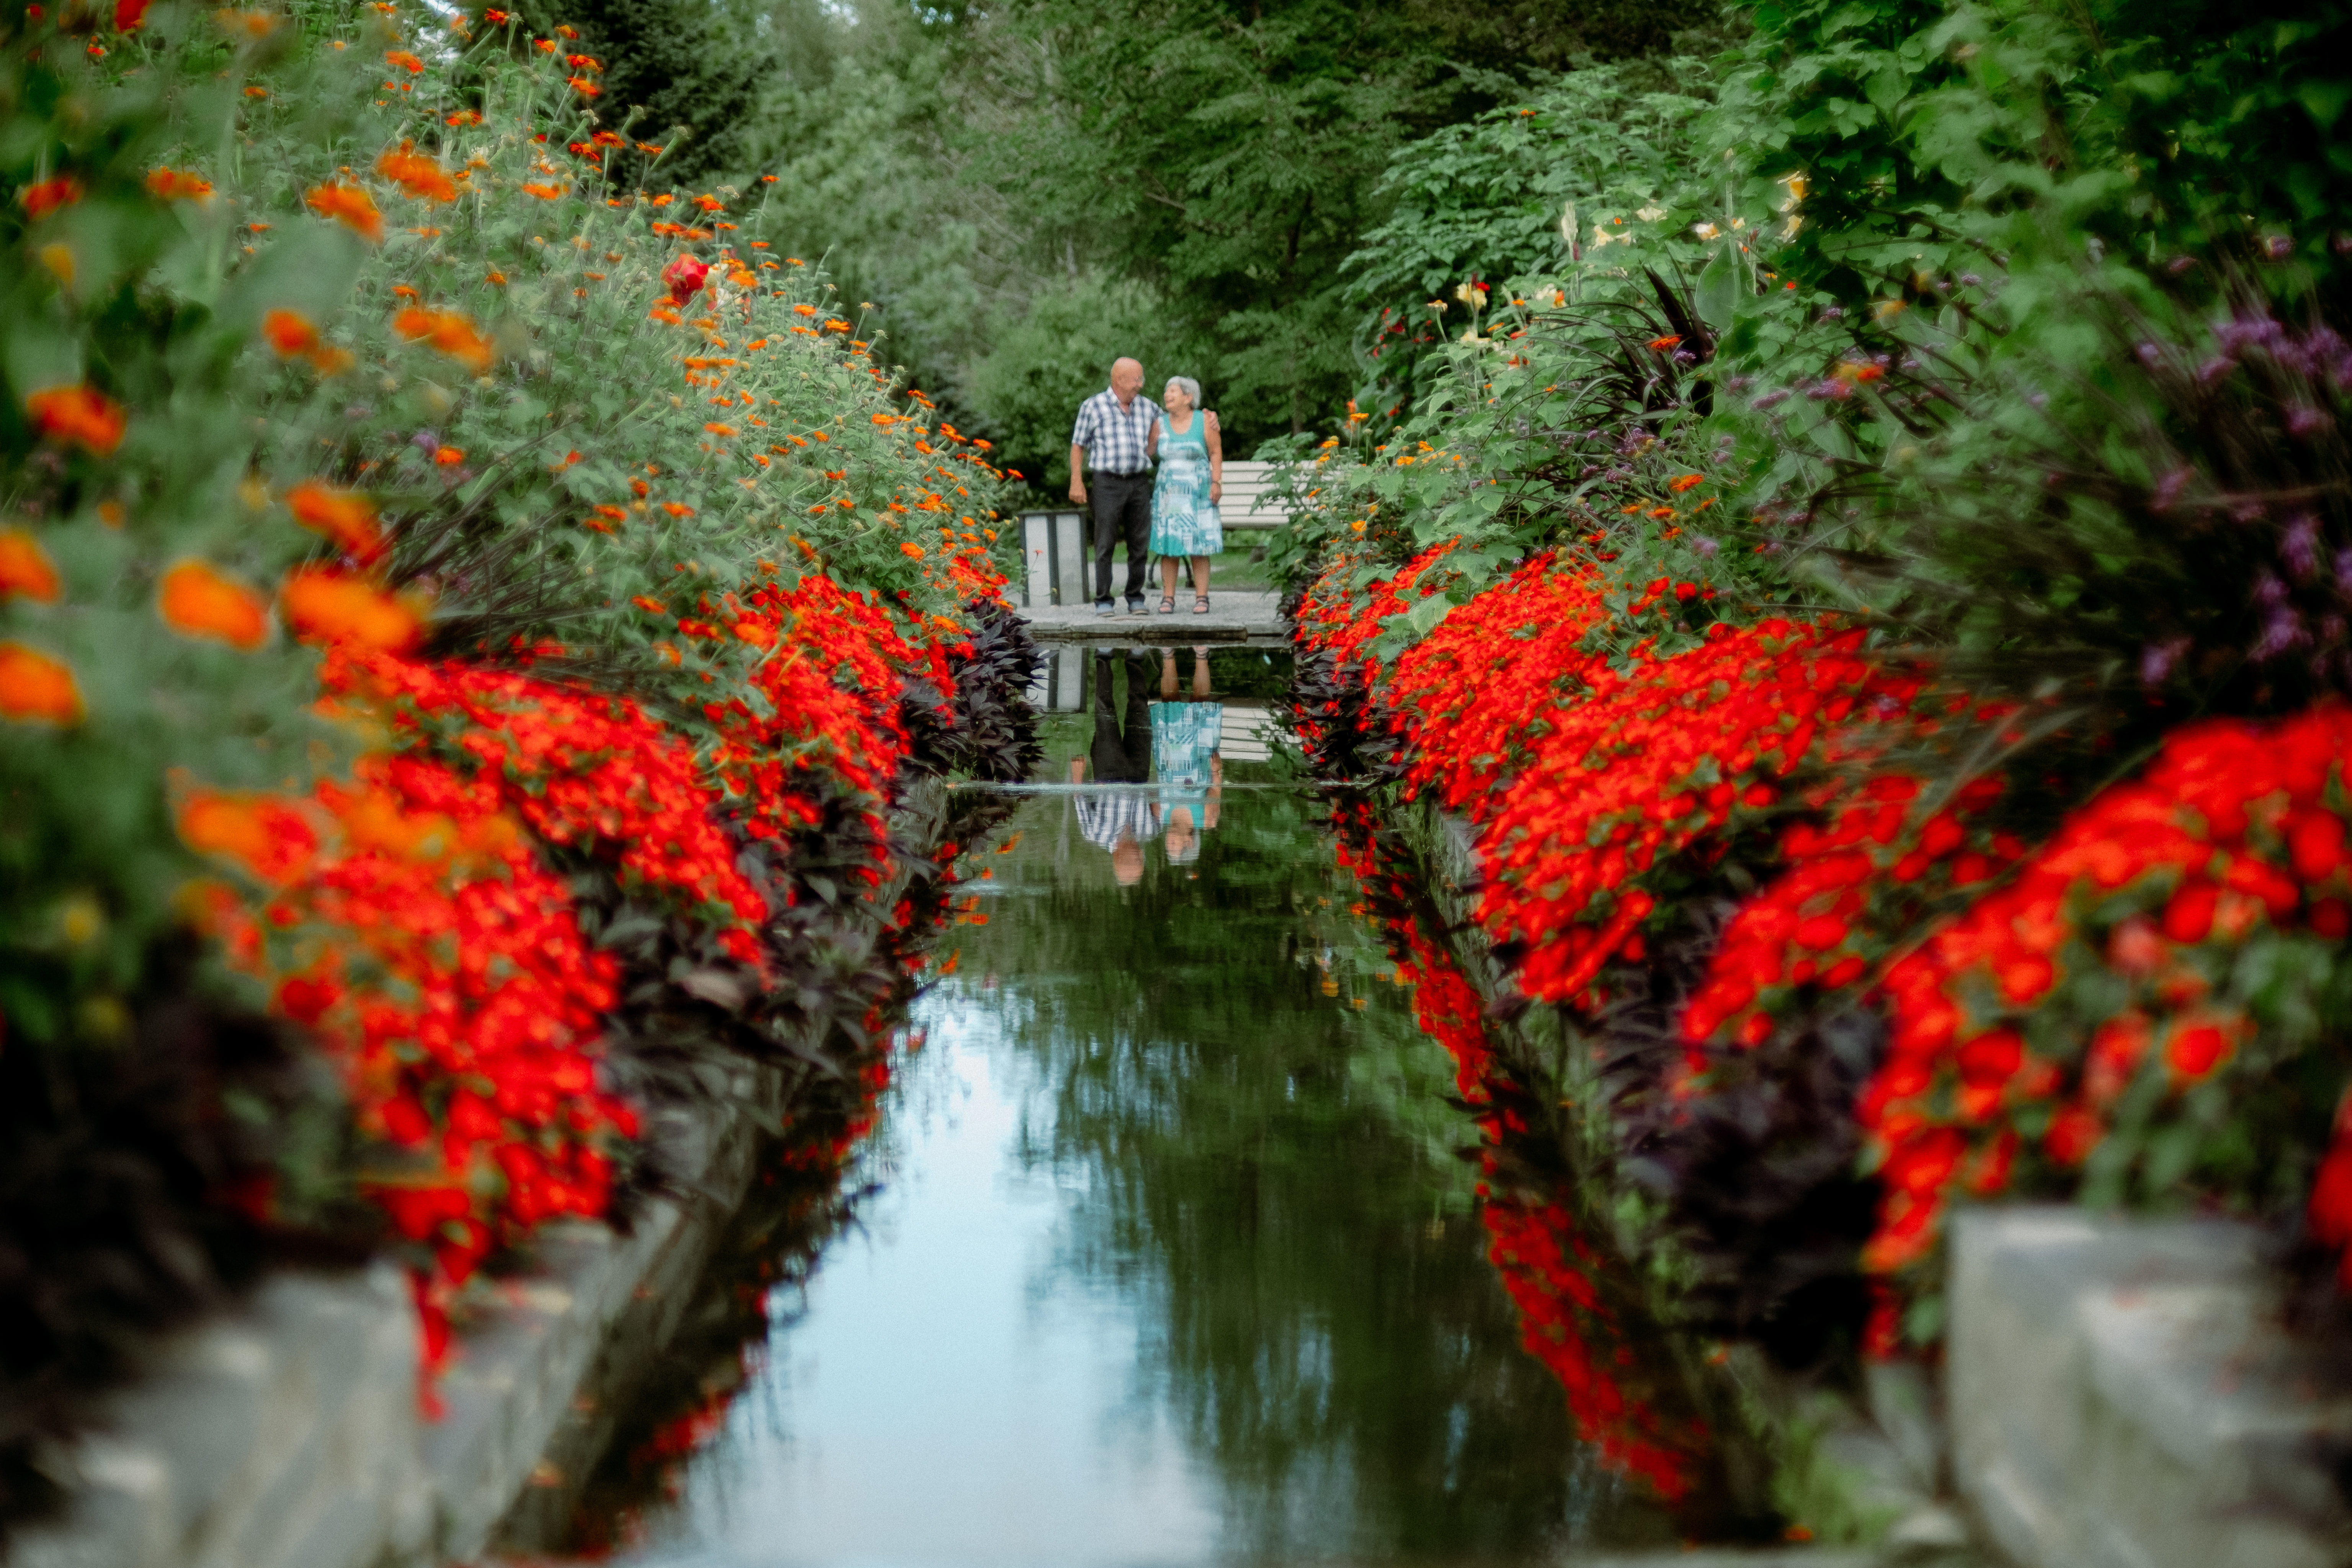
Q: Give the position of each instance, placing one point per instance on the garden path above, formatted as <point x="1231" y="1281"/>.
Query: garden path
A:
<point x="1240" y="616"/>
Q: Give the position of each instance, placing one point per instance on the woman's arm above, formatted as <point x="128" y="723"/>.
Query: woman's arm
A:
<point x="1216" y="458"/>
<point x="1216" y="791"/>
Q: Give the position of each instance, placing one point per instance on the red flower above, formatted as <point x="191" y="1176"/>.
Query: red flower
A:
<point x="684" y="277"/>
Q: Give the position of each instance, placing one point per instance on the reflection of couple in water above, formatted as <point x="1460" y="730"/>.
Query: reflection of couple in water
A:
<point x="1174" y="738"/>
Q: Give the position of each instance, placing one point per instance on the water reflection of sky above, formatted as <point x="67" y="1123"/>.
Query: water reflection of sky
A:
<point x="1170" y="1261"/>
<point x="949" y="1395"/>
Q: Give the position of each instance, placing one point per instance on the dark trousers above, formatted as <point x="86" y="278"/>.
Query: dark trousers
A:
<point x="1121" y="754"/>
<point x="1122" y="507"/>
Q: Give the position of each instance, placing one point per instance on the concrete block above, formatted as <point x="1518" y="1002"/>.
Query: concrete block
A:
<point x="2122" y="1395"/>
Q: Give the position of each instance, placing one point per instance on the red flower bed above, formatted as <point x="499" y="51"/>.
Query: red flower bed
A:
<point x="411" y="922"/>
<point x="2136" y="1010"/>
<point x="2172" y="937"/>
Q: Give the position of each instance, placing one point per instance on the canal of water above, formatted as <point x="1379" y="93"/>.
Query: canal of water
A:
<point x="1163" y="1251"/>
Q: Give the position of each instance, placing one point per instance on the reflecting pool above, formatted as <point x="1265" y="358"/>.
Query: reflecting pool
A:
<point x="1165" y="1252"/>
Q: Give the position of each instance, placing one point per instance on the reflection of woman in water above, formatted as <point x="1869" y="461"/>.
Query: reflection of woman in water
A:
<point x="1184" y="737"/>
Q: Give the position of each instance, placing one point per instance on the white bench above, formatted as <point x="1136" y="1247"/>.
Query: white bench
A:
<point x="1055" y="544"/>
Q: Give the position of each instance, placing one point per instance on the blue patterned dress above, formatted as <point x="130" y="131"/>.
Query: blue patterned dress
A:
<point x="1182" y="520"/>
<point x="1184" y="737"/>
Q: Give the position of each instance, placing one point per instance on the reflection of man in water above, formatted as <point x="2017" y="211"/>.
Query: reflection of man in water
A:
<point x="1184" y="753"/>
<point x="1118" y="820"/>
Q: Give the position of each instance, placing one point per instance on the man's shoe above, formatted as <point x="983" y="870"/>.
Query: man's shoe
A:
<point x="1105" y="607"/>
<point x="1137" y="607"/>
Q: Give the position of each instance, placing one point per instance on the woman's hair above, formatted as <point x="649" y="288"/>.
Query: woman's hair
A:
<point x="1192" y="388"/>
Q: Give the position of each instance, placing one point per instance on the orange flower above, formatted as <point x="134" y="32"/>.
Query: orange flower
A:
<point x="1687" y="482"/>
<point x="344" y="516"/>
<point x="41" y="200"/>
<point x="36" y="689"/>
<point x="197" y="601"/>
<point x="26" y="568"/>
<point x="545" y="191"/>
<point x="1663" y="344"/>
<point x="912" y="550"/>
<point x="449" y="333"/>
<point x="582" y="86"/>
<point x="290" y="333"/>
<point x="676" y="509"/>
<point x="78" y="416"/>
<point x="178" y="185"/>
<point x="404" y="60"/>
<point x="265" y="834"/>
<point x="330" y="606"/>
<point x="418" y="173"/>
<point x="448" y="457"/>
<point x="350" y="205"/>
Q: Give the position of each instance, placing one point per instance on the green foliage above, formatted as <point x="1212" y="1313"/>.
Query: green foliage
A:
<point x="1601" y="155"/>
<point x="675" y="74"/>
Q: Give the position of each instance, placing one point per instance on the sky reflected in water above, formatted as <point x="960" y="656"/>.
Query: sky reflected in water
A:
<point x="1171" y="1260"/>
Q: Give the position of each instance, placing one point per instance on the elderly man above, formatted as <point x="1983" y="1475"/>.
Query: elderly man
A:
<point x="1114" y="432"/>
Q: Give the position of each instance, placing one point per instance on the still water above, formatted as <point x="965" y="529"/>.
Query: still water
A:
<point x="1163" y="1252"/>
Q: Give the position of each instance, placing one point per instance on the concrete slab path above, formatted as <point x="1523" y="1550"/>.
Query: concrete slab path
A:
<point x="1233" y="618"/>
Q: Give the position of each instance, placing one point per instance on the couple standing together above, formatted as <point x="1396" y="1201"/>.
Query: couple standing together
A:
<point x="1120" y="436"/>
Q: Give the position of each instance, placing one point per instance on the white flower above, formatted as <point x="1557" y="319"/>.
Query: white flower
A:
<point x="1704" y="230"/>
<point x="1568" y="225"/>
<point x="1651" y="213"/>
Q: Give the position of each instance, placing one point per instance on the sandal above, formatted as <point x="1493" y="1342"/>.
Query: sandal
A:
<point x="1200" y="604"/>
<point x="1166" y="603"/>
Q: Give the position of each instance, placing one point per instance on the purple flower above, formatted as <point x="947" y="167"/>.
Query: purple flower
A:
<point x="2303" y="421"/>
<point x="2344" y="569"/>
<point x="2150" y="355"/>
<point x="2270" y="592"/>
<point x="1704" y="545"/>
<point x="2299" y="545"/>
<point x="426" y="441"/>
<point x="1832" y="314"/>
<point x="2284" y="631"/>
<point x="2167" y="490"/>
<point x="1772" y="399"/>
<point x="2157" y="660"/>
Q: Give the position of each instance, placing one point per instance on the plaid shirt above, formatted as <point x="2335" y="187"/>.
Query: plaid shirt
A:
<point x="1114" y="437"/>
<point x="1107" y="817"/>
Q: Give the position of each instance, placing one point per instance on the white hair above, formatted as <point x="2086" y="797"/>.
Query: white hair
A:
<point x="1192" y="388"/>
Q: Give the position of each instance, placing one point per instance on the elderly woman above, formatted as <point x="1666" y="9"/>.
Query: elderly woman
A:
<point x="1191" y="481"/>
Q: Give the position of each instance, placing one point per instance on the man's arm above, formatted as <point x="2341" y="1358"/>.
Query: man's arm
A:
<point x="1080" y="434"/>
